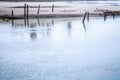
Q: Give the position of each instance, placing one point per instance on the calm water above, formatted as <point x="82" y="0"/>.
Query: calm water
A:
<point x="60" y="49"/>
<point x="90" y="2"/>
<point x="114" y="2"/>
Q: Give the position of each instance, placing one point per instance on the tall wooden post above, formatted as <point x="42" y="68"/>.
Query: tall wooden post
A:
<point x="24" y="10"/>
<point x="53" y="8"/>
<point x="12" y="14"/>
<point x="27" y="11"/>
<point x="84" y="17"/>
<point x="38" y="9"/>
<point x="12" y="17"/>
<point x="88" y="16"/>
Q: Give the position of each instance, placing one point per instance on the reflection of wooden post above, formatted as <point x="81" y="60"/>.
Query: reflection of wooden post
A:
<point x="38" y="22"/>
<point x="113" y="15"/>
<point x="53" y="22"/>
<point x="25" y="10"/>
<point x="53" y="8"/>
<point x="105" y="15"/>
<point x="84" y="17"/>
<point x="38" y="9"/>
<point x="25" y="22"/>
<point x="84" y="27"/>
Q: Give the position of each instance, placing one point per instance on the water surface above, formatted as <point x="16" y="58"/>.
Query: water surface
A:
<point x="60" y="49"/>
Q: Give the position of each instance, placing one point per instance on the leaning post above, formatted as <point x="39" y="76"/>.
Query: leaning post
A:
<point x="38" y="9"/>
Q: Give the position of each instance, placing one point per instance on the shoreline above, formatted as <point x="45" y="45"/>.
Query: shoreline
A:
<point x="60" y="9"/>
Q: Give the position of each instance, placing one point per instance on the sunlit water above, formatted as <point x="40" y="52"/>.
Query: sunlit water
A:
<point x="60" y="49"/>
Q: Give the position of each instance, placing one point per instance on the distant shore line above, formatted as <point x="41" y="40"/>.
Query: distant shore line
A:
<point x="25" y="10"/>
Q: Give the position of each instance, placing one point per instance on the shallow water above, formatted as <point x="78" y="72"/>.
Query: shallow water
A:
<point x="60" y="49"/>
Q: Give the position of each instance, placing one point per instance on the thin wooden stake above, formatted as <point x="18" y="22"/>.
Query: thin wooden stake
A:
<point x="24" y="10"/>
<point x="88" y="16"/>
<point x="53" y="8"/>
<point x="38" y="9"/>
<point x="27" y="11"/>
<point x="12" y="16"/>
<point x="84" y="17"/>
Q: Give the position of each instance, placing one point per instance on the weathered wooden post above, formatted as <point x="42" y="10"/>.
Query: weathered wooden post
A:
<point x="24" y="10"/>
<point x="84" y="17"/>
<point x="12" y="17"/>
<point x="53" y="8"/>
<point x="27" y="11"/>
<point x="12" y="14"/>
<point x="88" y="16"/>
<point x="38" y="9"/>
<point x="27" y="16"/>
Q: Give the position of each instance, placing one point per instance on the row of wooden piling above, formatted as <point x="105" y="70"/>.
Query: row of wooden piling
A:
<point x="86" y="15"/>
<point x="105" y="14"/>
<point x="110" y="13"/>
<point x="26" y="11"/>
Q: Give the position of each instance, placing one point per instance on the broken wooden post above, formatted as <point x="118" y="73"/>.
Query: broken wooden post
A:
<point x="84" y="17"/>
<point x="53" y="8"/>
<point x="24" y="10"/>
<point x="27" y="11"/>
<point x="38" y="9"/>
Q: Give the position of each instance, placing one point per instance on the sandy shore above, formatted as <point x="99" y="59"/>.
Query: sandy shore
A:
<point x="64" y="9"/>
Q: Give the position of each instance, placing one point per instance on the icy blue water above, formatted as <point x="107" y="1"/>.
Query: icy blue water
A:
<point x="60" y="49"/>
